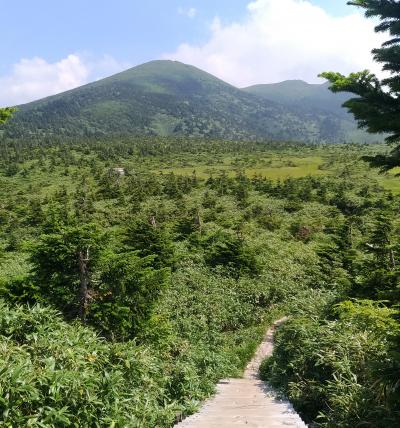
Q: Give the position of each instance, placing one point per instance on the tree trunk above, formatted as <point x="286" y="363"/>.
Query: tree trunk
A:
<point x="198" y="221"/>
<point x="153" y="221"/>
<point x="392" y="259"/>
<point x="351" y="235"/>
<point x="84" y="280"/>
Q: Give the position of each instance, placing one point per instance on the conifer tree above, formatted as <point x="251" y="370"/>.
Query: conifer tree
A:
<point x="377" y="105"/>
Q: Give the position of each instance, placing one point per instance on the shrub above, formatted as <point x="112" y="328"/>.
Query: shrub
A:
<point x="332" y="369"/>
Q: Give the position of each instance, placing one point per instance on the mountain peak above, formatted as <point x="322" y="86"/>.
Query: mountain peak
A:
<point x="164" y="68"/>
<point x="167" y="97"/>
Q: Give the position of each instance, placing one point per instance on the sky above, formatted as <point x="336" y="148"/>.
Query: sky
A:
<point x="51" y="46"/>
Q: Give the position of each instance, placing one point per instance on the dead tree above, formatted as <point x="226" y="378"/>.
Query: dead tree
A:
<point x="152" y="221"/>
<point x="84" y="283"/>
<point x="198" y="221"/>
<point x="392" y="259"/>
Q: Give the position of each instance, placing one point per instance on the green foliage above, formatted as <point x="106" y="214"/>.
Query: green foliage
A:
<point x="185" y="258"/>
<point x="377" y="107"/>
<point x="59" y="375"/>
<point x="6" y="113"/>
<point x="149" y="240"/>
<point x="55" y="262"/>
<point x="122" y="287"/>
<point x="128" y="291"/>
<point x="339" y="362"/>
<point x="230" y="252"/>
<point x="333" y="370"/>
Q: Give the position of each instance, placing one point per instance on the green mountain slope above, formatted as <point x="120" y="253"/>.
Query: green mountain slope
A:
<point x="318" y="102"/>
<point x="171" y="98"/>
<point x="297" y="93"/>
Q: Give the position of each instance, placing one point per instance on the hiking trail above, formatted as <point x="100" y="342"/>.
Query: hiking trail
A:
<point x="246" y="402"/>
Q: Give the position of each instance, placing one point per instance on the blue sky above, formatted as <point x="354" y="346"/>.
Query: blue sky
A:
<point x="129" y="30"/>
<point x="106" y="36"/>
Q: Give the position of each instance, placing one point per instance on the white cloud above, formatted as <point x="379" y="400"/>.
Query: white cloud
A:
<point x="284" y="39"/>
<point x="35" y="78"/>
<point x="189" y="12"/>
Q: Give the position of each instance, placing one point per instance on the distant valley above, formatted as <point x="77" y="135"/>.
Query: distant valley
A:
<point x="169" y="98"/>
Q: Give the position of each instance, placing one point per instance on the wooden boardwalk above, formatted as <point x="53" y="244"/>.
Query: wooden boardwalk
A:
<point x="247" y="402"/>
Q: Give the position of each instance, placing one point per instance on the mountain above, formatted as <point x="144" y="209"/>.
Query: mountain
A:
<point x="302" y="94"/>
<point x="318" y="102"/>
<point x="171" y="98"/>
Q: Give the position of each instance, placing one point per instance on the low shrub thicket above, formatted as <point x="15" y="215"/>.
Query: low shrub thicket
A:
<point x="340" y="370"/>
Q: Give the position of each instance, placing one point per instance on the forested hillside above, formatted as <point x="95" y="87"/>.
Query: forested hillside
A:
<point x="135" y="273"/>
<point x="315" y="100"/>
<point x="171" y="98"/>
<point x="302" y="94"/>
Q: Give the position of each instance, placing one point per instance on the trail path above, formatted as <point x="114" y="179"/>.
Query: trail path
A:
<point x="247" y="402"/>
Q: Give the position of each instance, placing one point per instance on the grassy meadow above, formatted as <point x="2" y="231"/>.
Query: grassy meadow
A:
<point x="321" y="161"/>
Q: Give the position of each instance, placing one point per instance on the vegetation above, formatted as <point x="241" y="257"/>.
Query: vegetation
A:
<point x="5" y="114"/>
<point x="377" y="106"/>
<point x="341" y="369"/>
<point x="169" y="98"/>
<point x="338" y="359"/>
<point x="137" y="272"/>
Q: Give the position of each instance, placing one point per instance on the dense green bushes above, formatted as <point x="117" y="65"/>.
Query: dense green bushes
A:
<point x="54" y="374"/>
<point x="204" y="328"/>
<point x="182" y="276"/>
<point x="340" y="364"/>
<point x="339" y="361"/>
<point x="339" y="372"/>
